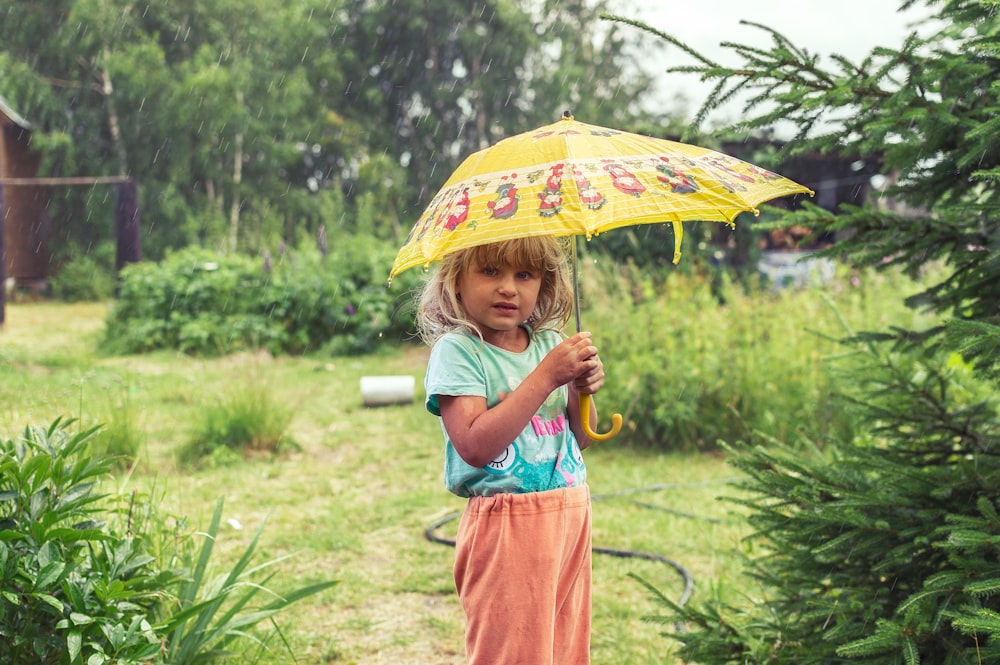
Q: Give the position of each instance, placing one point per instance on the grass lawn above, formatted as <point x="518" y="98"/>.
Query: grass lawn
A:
<point x="354" y="496"/>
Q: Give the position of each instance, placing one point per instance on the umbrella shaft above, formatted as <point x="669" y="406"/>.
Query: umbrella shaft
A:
<point x="576" y="283"/>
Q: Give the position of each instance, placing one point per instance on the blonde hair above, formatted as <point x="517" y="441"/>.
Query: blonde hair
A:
<point x="439" y="309"/>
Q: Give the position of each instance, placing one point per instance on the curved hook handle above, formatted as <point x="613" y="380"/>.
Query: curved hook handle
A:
<point x="616" y="421"/>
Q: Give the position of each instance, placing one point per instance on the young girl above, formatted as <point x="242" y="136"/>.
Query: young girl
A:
<point x="505" y="384"/>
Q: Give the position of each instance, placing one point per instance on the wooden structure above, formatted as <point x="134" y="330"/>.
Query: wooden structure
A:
<point x="835" y="179"/>
<point x="25" y="224"/>
<point x="24" y="219"/>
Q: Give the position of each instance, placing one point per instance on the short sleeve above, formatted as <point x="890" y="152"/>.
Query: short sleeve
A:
<point x="455" y="368"/>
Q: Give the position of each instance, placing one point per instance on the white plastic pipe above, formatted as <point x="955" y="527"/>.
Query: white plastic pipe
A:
<point x="386" y="390"/>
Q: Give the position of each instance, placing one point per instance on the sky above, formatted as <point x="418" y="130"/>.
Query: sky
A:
<point x="847" y="27"/>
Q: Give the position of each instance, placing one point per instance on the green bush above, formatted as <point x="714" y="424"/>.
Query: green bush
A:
<point x="84" y="278"/>
<point x="694" y="360"/>
<point x="201" y="302"/>
<point x="121" y="438"/>
<point x="95" y="579"/>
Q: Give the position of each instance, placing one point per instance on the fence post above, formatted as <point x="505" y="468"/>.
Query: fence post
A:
<point x="3" y="259"/>
<point x="128" y="225"/>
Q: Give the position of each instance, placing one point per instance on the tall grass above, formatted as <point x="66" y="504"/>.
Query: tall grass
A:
<point x="215" y="611"/>
<point x="123" y="435"/>
<point x="248" y="418"/>
<point x="692" y="361"/>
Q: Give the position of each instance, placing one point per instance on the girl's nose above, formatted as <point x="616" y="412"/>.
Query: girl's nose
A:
<point x="507" y="285"/>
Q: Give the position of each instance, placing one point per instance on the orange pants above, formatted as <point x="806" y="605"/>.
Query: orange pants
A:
<point x="523" y="575"/>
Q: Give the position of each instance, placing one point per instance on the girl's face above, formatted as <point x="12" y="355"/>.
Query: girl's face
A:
<point x="498" y="299"/>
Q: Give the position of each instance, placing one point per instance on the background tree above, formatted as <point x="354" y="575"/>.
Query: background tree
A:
<point x="245" y="107"/>
<point x="885" y="549"/>
<point x="589" y="67"/>
<point x="439" y="81"/>
<point x="247" y="124"/>
<point x="61" y="70"/>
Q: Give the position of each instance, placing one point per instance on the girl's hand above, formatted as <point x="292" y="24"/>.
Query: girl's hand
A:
<point x="588" y="382"/>
<point x="591" y="381"/>
<point x="480" y="433"/>
<point x="572" y="360"/>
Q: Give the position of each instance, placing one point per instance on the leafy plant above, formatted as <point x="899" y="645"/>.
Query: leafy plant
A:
<point x="83" y="278"/>
<point x="212" y="612"/>
<point x="71" y="591"/>
<point x="88" y="578"/>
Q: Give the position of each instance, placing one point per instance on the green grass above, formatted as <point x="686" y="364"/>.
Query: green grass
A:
<point x="352" y="499"/>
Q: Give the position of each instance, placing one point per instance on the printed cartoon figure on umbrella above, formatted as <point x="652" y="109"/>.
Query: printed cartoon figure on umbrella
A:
<point x="574" y="179"/>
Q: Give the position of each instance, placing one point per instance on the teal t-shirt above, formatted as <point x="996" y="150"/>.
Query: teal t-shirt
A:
<point x="544" y="456"/>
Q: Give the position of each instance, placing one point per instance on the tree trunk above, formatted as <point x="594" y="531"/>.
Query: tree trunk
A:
<point x="234" y="210"/>
<point x="114" y="127"/>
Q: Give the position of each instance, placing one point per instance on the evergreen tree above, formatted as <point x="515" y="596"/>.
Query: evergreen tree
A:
<point x="885" y="549"/>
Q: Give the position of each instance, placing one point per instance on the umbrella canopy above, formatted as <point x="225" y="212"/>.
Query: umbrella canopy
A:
<point x="571" y="178"/>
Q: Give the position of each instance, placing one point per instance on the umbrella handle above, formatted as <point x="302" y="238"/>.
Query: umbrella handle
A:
<point x="616" y="421"/>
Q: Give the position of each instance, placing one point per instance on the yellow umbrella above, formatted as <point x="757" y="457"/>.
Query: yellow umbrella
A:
<point x="571" y="178"/>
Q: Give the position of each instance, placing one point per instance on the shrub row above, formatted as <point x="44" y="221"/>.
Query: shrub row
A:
<point x="205" y="303"/>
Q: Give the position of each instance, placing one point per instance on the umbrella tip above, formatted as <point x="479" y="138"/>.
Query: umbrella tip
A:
<point x="567" y="115"/>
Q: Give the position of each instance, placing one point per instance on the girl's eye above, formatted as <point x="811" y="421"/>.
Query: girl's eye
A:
<point x="524" y="274"/>
<point x="490" y="270"/>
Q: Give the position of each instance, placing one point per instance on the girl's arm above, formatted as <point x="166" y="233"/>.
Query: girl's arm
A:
<point x="480" y="434"/>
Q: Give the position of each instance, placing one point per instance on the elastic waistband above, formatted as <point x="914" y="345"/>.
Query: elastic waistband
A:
<point x="531" y="502"/>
